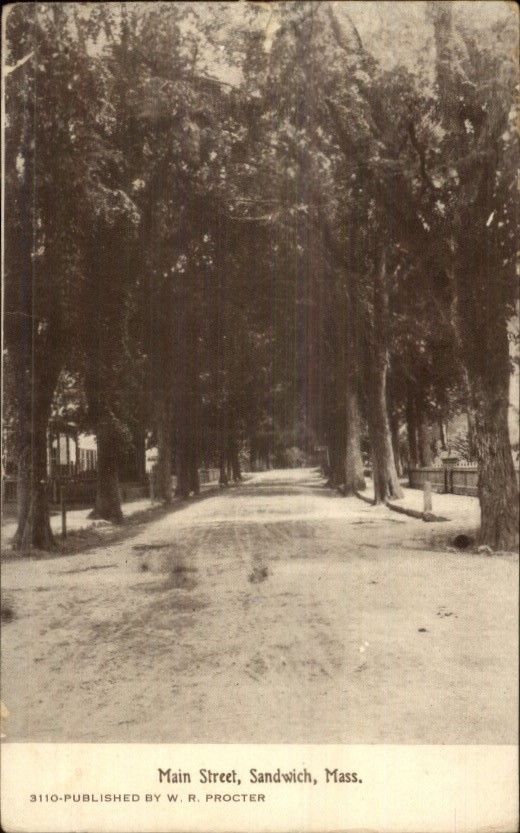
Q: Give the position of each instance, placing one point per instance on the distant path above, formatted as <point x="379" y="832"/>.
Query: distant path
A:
<point x="277" y="612"/>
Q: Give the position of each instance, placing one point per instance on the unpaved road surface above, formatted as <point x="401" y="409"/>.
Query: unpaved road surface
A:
<point x="273" y="612"/>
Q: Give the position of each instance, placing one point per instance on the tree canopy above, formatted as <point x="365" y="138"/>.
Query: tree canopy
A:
<point x="260" y="226"/>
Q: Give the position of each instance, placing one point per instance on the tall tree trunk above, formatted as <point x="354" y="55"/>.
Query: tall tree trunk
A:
<point x="140" y="453"/>
<point x="325" y="461"/>
<point x="163" y="482"/>
<point x="34" y="529"/>
<point x="411" y="427"/>
<point x="386" y="481"/>
<point x="336" y="460"/>
<point x="108" y="496"/>
<point x="223" y="475"/>
<point x="235" y="463"/>
<point x="223" y="457"/>
<point x="423" y="432"/>
<point x="34" y="392"/>
<point x="193" y="468"/>
<point x="472" y="444"/>
<point x="394" y="431"/>
<point x="354" y="468"/>
<point x="497" y="484"/>
<point x="182" y="488"/>
<point x="253" y="451"/>
<point x="442" y="433"/>
<point x="232" y="452"/>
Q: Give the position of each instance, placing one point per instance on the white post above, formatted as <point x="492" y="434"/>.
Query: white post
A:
<point x="427" y="496"/>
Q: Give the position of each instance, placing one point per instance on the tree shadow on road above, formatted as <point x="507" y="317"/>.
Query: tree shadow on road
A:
<point x="103" y="533"/>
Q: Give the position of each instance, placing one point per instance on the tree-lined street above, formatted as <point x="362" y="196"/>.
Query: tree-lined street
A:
<point x="260" y="274"/>
<point x="277" y="611"/>
<point x="244" y="232"/>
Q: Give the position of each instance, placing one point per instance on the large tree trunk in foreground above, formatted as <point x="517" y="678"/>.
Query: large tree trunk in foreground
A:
<point x="498" y="491"/>
<point x="108" y="496"/>
<point x="34" y="529"/>
<point x="497" y="485"/>
<point x="354" y="469"/>
<point x="34" y="392"/>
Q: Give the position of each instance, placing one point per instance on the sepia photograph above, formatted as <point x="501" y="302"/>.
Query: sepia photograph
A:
<point x="260" y="402"/>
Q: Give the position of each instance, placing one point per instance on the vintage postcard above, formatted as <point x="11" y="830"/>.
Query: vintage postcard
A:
<point x="260" y="444"/>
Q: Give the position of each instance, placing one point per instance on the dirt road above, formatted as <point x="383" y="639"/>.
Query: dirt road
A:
<point x="273" y="612"/>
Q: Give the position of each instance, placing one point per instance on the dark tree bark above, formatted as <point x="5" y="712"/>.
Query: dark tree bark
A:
<point x="36" y="367"/>
<point x="181" y="477"/>
<point x="140" y="453"/>
<point x="386" y="481"/>
<point x="182" y="488"/>
<point x="163" y="482"/>
<point x="354" y="469"/>
<point x="489" y="374"/>
<point x="394" y="430"/>
<point x="192" y="453"/>
<point x="223" y="451"/>
<point x="472" y="445"/>
<point x="108" y="495"/>
<point x="105" y="299"/>
<point x="497" y="485"/>
<point x="442" y="433"/>
<point x="187" y="394"/>
<point x="36" y="330"/>
<point x="423" y="431"/>
<point x="336" y="449"/>
<point x="393" y="416"/>
<point x="188" y="480"/>
<point x="253" y="452"/>
<point x="34" y="529"/>
<point x="411" y="426"/>
<point x="223" y="470"/>
<point x="233" y="457"/>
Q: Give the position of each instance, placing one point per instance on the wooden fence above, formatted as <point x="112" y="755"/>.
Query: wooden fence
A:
<point x="457" y="480"/>
<point x="81" y="489"/>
